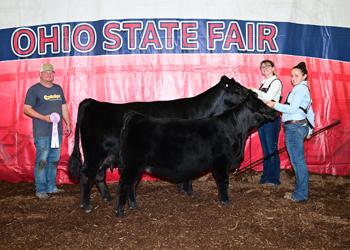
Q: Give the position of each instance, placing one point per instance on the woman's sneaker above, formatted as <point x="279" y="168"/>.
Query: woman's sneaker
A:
<point x="58" y="191"/>
<point x="43" y="196"/>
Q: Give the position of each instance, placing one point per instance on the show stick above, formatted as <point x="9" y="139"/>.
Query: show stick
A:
<point x="281" y="150"/>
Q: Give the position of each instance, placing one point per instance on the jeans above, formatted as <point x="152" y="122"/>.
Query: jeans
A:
<point x="46" y="162"/>
<point x="268" y="134"/>
<point x="295" y="134"/>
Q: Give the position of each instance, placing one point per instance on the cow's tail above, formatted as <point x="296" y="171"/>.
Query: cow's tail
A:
<point x="126" y="119"/>
<point x="75" y="162"/>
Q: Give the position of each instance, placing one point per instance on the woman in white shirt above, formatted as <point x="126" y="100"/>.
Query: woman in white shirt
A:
<point x="270" y="90"/>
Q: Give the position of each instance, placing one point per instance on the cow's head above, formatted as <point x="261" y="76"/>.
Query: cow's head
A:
<point x="234" y="93"/>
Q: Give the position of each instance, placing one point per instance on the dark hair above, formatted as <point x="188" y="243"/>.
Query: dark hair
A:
<point x="270" y="63"/>
<point x="302" y="67"/>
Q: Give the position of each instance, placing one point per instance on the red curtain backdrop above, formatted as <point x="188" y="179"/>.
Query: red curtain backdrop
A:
<point x="128" y="78"/>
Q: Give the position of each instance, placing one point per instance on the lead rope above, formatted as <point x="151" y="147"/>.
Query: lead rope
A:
<point x="276" y="147"/>
<point x="250" y="154"/>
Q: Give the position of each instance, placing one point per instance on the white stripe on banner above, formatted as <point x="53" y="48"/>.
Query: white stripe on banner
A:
<point x="18" y="13"/>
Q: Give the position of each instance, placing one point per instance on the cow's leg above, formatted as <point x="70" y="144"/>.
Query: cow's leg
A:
<point x="180" y="186"/>
<point x="222" y="180"/>
<point x="85" y="190"/>
<point x="186" y="186"/>
<point x="101" y="185"/>
<point x="132" y="197"/>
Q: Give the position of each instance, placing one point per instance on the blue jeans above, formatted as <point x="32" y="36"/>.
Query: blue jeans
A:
<point x="268" y="134"/>
<point x="295" y="134"/>
<point x="46" y="162"/>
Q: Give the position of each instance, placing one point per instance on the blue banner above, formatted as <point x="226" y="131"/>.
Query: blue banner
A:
<point x="174" y="36"/>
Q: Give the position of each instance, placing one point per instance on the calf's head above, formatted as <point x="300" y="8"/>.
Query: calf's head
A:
<point x="262" y="111"/>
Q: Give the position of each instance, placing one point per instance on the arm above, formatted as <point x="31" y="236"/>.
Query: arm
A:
<point x="260" y="93"/>
<point x="28" y="110"/>
<point x="66" y="118"/>
<point x="294" y="104"/>
<point x="274" y="89"/>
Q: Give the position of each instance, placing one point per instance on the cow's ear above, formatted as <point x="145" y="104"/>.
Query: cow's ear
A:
<point x="224" y="82"/>
<point x="224" y="79"/>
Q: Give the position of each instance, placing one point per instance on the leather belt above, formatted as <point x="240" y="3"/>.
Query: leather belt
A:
<point x="292" y="121"/>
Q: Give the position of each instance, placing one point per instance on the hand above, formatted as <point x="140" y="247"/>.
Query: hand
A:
<point x="271" y="104"/>
<point x="68" y="130"/>
<point x="308" y="137"/>
<point x="250" y="88"/>
<point x="47" y="119"/>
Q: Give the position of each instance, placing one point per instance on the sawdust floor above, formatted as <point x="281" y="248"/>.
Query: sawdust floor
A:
<point x="258" y="218"/>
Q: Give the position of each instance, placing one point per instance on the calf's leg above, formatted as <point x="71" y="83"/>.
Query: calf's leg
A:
<point x="221" y="177"/>
<point x="122" y="194"/>
<point x="127" y="188"/>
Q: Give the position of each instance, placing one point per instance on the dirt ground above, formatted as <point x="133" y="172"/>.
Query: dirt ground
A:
<point x="258" y="218"/>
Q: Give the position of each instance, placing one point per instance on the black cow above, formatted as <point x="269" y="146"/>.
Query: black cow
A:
<point x="100" y="124"/>
<point x="179" y="149"/>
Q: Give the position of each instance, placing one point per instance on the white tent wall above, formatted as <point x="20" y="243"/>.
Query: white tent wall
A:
<point x="317" y="32"/>
<point x="19" y="13"/>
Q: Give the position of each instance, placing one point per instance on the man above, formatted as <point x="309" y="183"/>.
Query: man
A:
<point x="42" y="100"/>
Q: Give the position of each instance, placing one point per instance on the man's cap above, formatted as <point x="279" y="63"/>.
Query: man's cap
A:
<point x="46" y="67"/>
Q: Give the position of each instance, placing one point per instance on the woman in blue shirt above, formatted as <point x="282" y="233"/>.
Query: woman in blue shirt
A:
<point x="298" y="122"/>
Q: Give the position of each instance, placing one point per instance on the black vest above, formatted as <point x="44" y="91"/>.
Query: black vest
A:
<point x="267" y="89"/>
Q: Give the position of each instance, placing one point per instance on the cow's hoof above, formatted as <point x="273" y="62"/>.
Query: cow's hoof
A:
<point x="119" y="214"/>
<point x="189" y="192"/>
<point x="225" y="203"/>
<point x="87" y="209"/>
<point x="108" y="198"/>
<point x="133" y="206"/>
